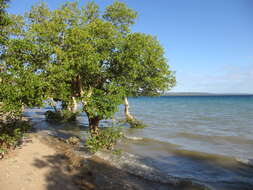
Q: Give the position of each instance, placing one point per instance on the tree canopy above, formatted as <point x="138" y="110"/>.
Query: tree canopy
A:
<point x="4" y="21"/>
<point x="20" y="82"/>
<point x="80" y="52"/>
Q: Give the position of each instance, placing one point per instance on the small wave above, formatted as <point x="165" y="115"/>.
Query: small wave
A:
<point x="245" y="161"/>
<point x="215" y="138"/>
<point x="132" y="164"/>
<point x="181" y="151"/>
<point x="133" y="138"/>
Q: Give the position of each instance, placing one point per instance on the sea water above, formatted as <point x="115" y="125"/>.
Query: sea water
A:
<point x="206" y="139"/>
<point x="203" y="138"/>
<point x="220" y="125"/>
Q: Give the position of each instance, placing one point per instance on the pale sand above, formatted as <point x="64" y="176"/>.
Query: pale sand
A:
<point x="47" y="163"/>
<point x="35" y="167"/>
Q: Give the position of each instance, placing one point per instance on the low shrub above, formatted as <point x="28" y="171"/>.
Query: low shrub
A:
<point x="11" y="134"/>
<point x="106" y="139"/>
<point x="55" y="116"/>
<point x="117" y="152"/>
<point x="134" y="123"/>
<point x="61" y="116"/>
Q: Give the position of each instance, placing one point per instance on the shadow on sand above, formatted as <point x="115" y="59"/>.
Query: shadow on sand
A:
<point x="96" y="174"/>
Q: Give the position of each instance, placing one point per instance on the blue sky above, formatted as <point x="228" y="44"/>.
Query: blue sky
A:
<point x="209" y="43"/>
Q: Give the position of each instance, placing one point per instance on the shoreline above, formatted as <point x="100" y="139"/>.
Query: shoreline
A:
<point x="102" y="170"/>
<point x="64" y="168"/>
<point x="130" y="170"/>
<point x="132" y="166"/>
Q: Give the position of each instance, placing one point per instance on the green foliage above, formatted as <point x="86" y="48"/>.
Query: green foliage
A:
<point x="83" y="53"/>
<point x="143" y="70"/>
<point x="120" y="16"/>
<point x="17" y="91"/>
<point x="91" y="11"/>
<point x="117" y="152"/>
<point x="11" y="134"/>
<point x="134" y="123"/>
<point x="104" y="104"/>
<point x="21" y="82"/>
<point x="61" y="116"/>
<point x="4" y="22"/>
<point x="106" y="139"/>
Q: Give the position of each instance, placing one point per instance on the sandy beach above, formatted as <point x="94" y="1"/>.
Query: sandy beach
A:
<point x="46" y="163"/>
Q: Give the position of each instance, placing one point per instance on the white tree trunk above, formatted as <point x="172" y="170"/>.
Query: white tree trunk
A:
<point x="53" y="104"/>
<point x="74" y="105"/>
<point x="127" y="113"/>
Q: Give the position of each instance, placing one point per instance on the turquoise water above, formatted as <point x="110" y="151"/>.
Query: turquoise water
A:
<point x="204" y="139"/>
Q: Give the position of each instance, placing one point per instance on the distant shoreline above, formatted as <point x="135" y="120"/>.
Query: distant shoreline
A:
<point x="204" y="94"/>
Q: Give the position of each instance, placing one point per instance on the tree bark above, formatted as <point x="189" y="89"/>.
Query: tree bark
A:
<point x="127" y="113"/>
<point x="77" y="86"/>
<point x="93" y="126"/>
<point x="72" y="107"/>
